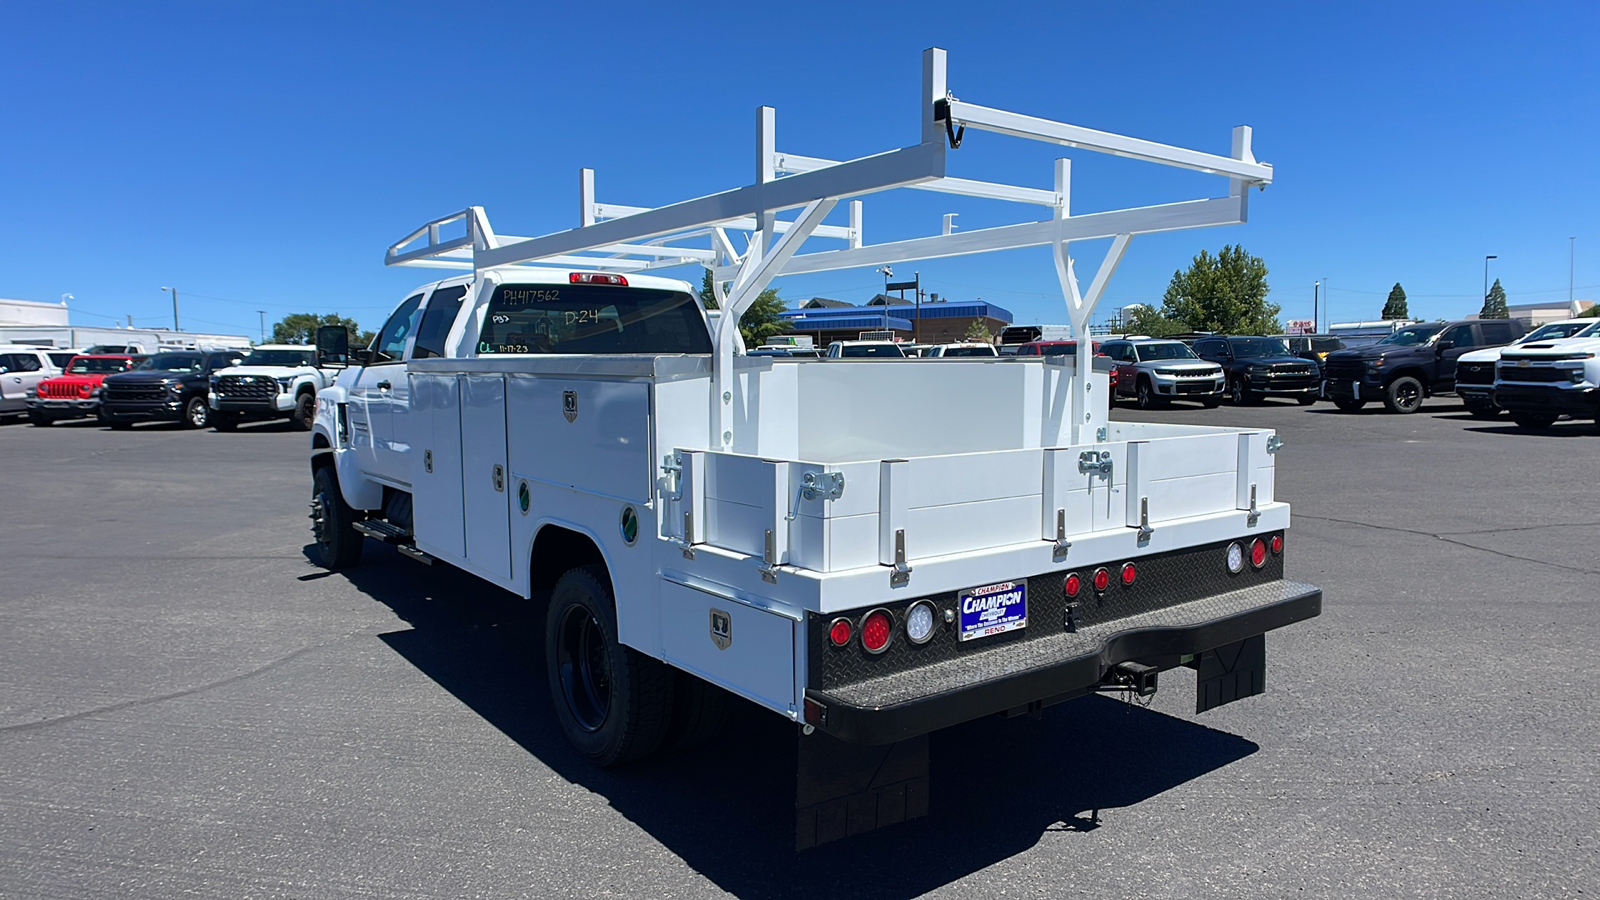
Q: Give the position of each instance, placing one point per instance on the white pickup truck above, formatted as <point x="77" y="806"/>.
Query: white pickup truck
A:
<point x="560" y="423"/>
<point x="276" y="381"/>
<point x="1540" y="381"/>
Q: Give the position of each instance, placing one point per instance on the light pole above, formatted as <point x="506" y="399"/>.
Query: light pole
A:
<point x="263" y="314"/>
<point x="1572" y="243"/>
<point x="174" y="308"/>
<point x="1486" y="277"/>
<point x="1316" y="320"/>
<point x="887" y="273"/>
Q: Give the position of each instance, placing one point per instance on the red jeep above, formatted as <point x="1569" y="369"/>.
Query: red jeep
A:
<point x="75" y="393"/>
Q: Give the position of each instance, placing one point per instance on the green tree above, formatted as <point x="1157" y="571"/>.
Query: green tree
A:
<point x="1494" y="305"/>
<point x="1148" y="320"/>
<point x="761" y="321"/>
<point x="977" y="331"/>
<point x="1590" y="312"/>
<point x="1395" y="306"/>
<point x="301" y="328"/>
<point x="1226" y="293"/>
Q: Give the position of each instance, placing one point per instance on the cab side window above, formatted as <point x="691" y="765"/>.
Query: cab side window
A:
<point x="1497" y="332"/>
<point x="390" y="344"/>
<point x="20" y="362"/>
<point x="1459" y="336"/>
<point x="436" y="321"/>
<point x="219" y="361"/>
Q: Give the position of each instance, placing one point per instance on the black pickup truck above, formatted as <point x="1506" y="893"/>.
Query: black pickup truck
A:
<point x="1413" y="363"/>
<point x="171" y="386"/>
<point x="1260" y="367"/>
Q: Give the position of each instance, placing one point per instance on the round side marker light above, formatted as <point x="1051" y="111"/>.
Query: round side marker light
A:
<point x="1072" y="584"/>
<point x="1235" y="558"/>
<point x="1258" y="553"/>
<point x="1129" y="573"/>
<point x="876" y="630"/>
<point x="1102" y="579"/>
<point x="920" y="620"/>
<point x="840" y="632"/>
<point x="1277" y="544"/>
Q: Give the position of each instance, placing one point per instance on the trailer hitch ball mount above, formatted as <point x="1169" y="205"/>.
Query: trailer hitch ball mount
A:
<point x="1135" y="678"/>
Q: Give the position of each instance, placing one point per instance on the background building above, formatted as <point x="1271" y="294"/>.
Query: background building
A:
<point x="37" y="324"/>
<point x="936" y="321"/>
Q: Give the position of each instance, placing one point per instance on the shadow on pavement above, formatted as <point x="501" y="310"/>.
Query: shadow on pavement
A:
<point x="1573" y="428"/>
<point x="727" y="808"/>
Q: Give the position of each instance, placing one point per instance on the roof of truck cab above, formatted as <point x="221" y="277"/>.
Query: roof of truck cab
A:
<point x="532" y="275"/>
<point x="283" y="347"/>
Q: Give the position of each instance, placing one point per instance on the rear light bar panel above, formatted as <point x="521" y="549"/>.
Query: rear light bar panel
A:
<point x="1161" y="580"/>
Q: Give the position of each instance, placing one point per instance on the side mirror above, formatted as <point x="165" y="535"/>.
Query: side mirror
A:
<point x="333" y="345"/>
<point x="1444" y="345"/>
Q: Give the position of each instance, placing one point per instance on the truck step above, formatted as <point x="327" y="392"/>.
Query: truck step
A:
<point x="383" y="531"/>
<point x="412" y="551"/>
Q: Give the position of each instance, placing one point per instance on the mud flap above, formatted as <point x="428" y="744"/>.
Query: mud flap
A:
<point x="847" y="789"/>
<point x="1230" y="672"/>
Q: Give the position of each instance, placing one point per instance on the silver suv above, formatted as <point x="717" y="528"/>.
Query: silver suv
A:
<point x="1156" y="371"/>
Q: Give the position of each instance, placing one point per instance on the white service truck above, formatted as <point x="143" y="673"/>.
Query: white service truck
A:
<point x="558" y="422"/>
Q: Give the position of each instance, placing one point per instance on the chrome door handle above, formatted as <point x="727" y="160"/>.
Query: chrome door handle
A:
<point x="384" y="386"/>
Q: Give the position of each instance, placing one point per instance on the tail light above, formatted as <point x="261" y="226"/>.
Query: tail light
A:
<point x="876" y="630"/>
<point x="1277" y="544"/>
<point x="1072" y="584"/>
<point x="1102" y="578"/>
<point x="1258" y="553"/>
<point x="840" y="632"/>
<point x="1235" y="558"/>
<point x="597" y="278"/>
<point x="1129" y="573"/>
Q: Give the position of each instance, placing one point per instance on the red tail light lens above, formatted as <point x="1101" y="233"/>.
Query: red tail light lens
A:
<point x="1277" y="543"/>
<point x="876" y="629"/>
<point x="597" y="278"/>
<point x="1258" y="553"/>
<point x="1072" y="585"/>
<point x="1129" y="573"/>
<point x="840" y="632"/>
<point x="1102" y="578"/>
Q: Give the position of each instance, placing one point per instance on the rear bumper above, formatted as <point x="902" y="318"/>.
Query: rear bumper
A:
<point x="1575" y="401"/>
<point x="1059" y="667"/>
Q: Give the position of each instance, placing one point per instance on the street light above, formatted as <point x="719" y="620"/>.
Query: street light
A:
<point x="1572" y="243"/>
<point x="1486" y="276"/>
<point x="174" y="308"/>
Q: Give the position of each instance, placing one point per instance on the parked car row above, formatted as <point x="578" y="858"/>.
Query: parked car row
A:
<point x="216" y="388"/>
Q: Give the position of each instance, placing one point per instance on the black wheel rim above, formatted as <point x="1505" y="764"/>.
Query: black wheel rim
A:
<point x="1238" y="392"/>
<point x="319" y="519"/>
<point x="585" y="668"/>
<point x="1407" y="396"/>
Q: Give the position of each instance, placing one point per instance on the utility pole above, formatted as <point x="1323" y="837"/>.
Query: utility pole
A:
<point x="263" y="314"/>
<point x="174" y="307"/>
<point x="1316" y="320"/>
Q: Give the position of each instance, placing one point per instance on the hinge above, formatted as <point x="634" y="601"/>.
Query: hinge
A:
<point x="817" y="485"/>
<point x="687" y="543"/>
<point x="1095" y="461"/>
<point x="901" y="575"/>
<point x="1275" y="443"/>
<point x="1144" y="521"/>
<point x="1062" y="545"/>
<point x="769" y="565"/>
<point x="672" y="465"/>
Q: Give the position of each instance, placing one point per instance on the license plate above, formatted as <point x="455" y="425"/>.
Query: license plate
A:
<point x="993" y="609"/>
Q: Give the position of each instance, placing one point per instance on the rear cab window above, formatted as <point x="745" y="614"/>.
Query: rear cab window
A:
<point x="591" y="319"/>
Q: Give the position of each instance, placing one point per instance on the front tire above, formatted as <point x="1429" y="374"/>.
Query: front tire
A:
<point x="1306" y="400"/>
<point x="225" y="421"/>
<point x="1211" y="403"/>
<point x="1146" y="396"/>
<point x="1403" y="395"/>
<point x="613" y="703"/>
<point x="40" y="419"/>
<point x="196" y="414"/>
<point x="1483" y="411"/>
<point x="1534" y="421"/>
<point x="338" y="543"/>
<point x="1238" y="394"/>
<point x="305" y="410"/>
<point x="1349" y="405"/>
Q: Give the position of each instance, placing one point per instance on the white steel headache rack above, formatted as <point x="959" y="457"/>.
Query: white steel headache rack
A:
<point x="633" y="239"/>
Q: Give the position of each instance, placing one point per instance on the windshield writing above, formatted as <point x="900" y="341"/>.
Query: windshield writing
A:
<point x="90" y="366"/>
<point x="582" y="318"/>
<point x="1171" y="350"/>
<point x="1413" y="335"/>
<point x="172" y="362"/>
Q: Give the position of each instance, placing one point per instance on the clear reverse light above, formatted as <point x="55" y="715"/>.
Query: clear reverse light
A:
<point x="920" y="621"/>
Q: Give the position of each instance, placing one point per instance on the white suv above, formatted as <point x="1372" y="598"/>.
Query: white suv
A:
<point x="276" y="381"/>
<point x="21" y="370"/>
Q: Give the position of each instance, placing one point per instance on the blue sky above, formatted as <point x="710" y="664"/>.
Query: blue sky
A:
<point x="260" y="156"/>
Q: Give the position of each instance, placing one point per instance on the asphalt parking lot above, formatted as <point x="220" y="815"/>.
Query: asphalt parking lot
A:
<point x="188" y="707"/>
